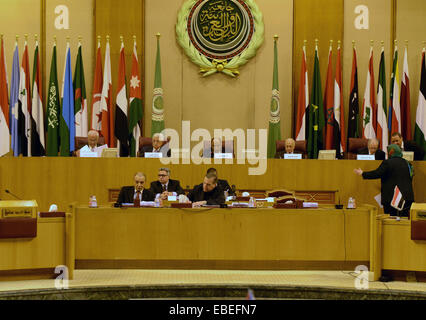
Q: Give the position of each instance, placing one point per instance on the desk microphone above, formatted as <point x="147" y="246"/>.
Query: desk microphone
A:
<point x="13" y="195"/>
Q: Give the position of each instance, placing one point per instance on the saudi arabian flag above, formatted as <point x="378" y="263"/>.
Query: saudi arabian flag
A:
<point x="135" y="110"/>
<point x="274" y="133"/>
<point x="420" y="130"/>
<point x="157" y="99"/>
<point x="53" y="108"/>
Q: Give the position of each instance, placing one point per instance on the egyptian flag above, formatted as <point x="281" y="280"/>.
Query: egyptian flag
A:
<point x="353" y="116"/>
<point x="328" y="102"/>
<point x="24" y="106"/>
<point x="121" y="125"/>
<point x="4" y="105"/>
<point x="339" y="139"/>
<point x="97" y="91"/>
<point x="303" y="100"/>
<point x="106" y="110"/>
<point x="405" y="101"/>
<point x="38" y="145"/>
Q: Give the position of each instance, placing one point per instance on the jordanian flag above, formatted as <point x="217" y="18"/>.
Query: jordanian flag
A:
<point x="135" y="111"/>
<point x="121" y="126"/>
<point x="420" y="129"/>
<point x="38" y="145"/>
<point x="157" y="100"/>
<point x="382" y="128"/>
<point x="53" y="109"/>
<point x="274" y="132"/>
<point x="4" y="105"/>
<point x="80" y="99"/>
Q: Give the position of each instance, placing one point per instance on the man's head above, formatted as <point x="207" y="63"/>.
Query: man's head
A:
<point x="290" y="144"/>
<point x="92" y="138"/>
<point x="139" y="181"/>
<point x="163" y="175"/>
<point x="373" y="145"/>
<point x="210" y="182"/>
<point x="157" y="140"/>
<point x="396" y="138"/>
<point x="217" y="145"/>
<point x="213" y="171"/>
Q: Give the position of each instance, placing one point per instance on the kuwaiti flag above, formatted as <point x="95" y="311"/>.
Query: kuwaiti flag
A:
<point x="106" y="110"/>
<point x="303" y="100"/>
<point x="369" y="102"/>
<point x="135" y="111"/>
<point x="382" y="127"/>
<point x="97" y="92"/>
<point x="398" y="201"/>
<point x="67" y="120"/>
<point x="14" y="103"/>
<point x="80" y="98"/>
<point x="328" y="102"/>
<point x="121" y="127"/>
<point x="394" y="121"/>
<point x="405" y="101"/>
<point x="420" y="129"/>
<point x="38" y="145"/>
<point x="339" y="114"/>
<point x="4" y="105"/>
<point x="24" y="103"/>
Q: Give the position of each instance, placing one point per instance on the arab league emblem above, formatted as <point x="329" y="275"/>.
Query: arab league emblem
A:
<point x="220" y="35"/>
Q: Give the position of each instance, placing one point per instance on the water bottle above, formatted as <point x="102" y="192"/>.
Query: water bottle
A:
<point x="251" y="202"/>
<point x="351" y="203"/>
<point x="93" y="202"/>
<point x="157" y="202"/>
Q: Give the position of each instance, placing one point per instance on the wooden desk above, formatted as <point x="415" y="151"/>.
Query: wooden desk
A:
<point x="321" y="239"/>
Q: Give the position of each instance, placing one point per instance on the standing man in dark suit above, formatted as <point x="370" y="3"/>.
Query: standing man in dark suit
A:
<point x="222" y="184"/>
<point x="207" y="193"/>
<point x="136" y="194"/>
<point x="395" y="171"/>
<point x="165" y="186"/>
<point x="373" y="148"/>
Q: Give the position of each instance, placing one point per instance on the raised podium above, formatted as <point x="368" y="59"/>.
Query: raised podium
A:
<point x="18" y="219"/>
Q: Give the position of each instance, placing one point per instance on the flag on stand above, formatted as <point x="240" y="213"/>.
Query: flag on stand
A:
<point x="394" y="121"/>
<point x="4" y="105"/>
<point x="67" y="119"/>
<point x="353" y="116"/>
<point x="121" y="104"/>
<point x="339" y="138"/>
<point x="420" y="129"/>
<point x="97" y="92"/>
<point x="405" y="101"/>
<point x="328" y="102"/>
<point x="53" y="109"/>
<point x="157" y="99"/>
<point x="135" y="111"/>
<point x="316" y="121"/>
<point x="38" y="145"/>
<point x="382" y="127"/>
<point x="303" y="100"/>
<point x="80" y="97"/>
<point x="24" y="103"/>
<point x="106" y="110"/>
<point x="274" y="132"/>
<point x="369" y="103"/>
<point x="14" y="104"/>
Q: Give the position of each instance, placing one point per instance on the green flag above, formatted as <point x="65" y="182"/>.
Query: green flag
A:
<point x="274" y="133"/>
<point x="157" y="99"/>
<point x="80" y="98"/>
<point x="316" y="114"/>
<point x="53" y="108"/>
<point x="135" y="110"/>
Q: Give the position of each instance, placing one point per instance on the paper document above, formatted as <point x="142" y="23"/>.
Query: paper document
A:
<point x="378" y="198"/>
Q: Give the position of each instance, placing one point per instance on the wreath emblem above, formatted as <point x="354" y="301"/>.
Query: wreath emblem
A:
<point x="220" y="35"/>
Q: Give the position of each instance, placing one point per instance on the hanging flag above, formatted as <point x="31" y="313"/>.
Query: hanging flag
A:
<point x="4" y="105"/>
<point x="97" y="91"/>
<point x="38" y="145"/>
<point x="157" y="123"/>
<point x="303" y="100"/>
<point x="67" y="120"/>
<point x="339" y="139"/>
<point x="316" y="121"/>
<point x="106" y="109"/>
<point x="394" y="121"/>
<point x="121" y="127"/>
<point x="14" y="103"/>
<point x="382" y="127"/>
<point x="53" y="109"/>
<point x="353" y="116"/>
<point x="24" y="106"/>
<point x="405" y="101"/>
<point x="274" y="132"/>
<point x="135" y="111"/>
<point x="420" y="129"/>
<point x="80" y="98"/>
<point x="369" y="103"/>
<point x="329" y="101"/>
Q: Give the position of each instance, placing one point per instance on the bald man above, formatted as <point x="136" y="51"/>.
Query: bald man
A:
<point x="289" y="146"/>
<point x="373" y="149"/>
<point x="92" y="145"/>
<point x="136" y="193"/>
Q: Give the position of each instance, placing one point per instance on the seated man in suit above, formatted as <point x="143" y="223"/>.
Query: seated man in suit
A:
<point x="373" y="148"/>
<point x="289" y="146"/>
<point x="158" y="145"/>
<point x="222" y="184"/>
<point x="207" y="192"/>
<point x="92" y="145"/>
<point x="419" y="153"/>
<point x="136" y="193"/>
<point x="165" y="186"/>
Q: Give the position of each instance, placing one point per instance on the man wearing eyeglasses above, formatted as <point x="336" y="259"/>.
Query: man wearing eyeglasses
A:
<point x="137" y="193"/>
<point x="165" y="186"/>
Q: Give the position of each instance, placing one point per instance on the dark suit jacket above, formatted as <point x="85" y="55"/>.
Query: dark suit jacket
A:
<point x="173" y="186"/>
<point x="379" y="155"/>
<point x="224" y="185"/>
<point x="419" y="153"/>
<point x="149" y="149"/>
<point x="127" y="195"/>
<point x="213" y="197"/>
<point x="393" y="172"/>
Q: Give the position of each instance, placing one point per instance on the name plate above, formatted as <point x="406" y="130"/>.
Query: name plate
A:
<point x="365" y="157"/>
<point x="172" y="198"/>
<point x="226" y="155"/>
<point x="292" y="156"/>
<point x="155" y="155"/>
<point x="88" y="154"/>
<point x="421" y="215"/>
<point x="16" y="213"/>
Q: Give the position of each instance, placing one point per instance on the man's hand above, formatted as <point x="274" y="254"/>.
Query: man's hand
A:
<point x="164" y="195"/>
<point x="358" y="171"/>
<point x="199" y="203"/>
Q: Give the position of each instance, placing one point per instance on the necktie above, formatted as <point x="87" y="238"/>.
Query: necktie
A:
<point x="164" y="187"/>
<point x="136" y="201"/>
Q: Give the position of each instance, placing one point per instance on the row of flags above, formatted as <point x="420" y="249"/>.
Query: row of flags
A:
<point x="28" y="130"/>
<point x="321" y="121"/>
